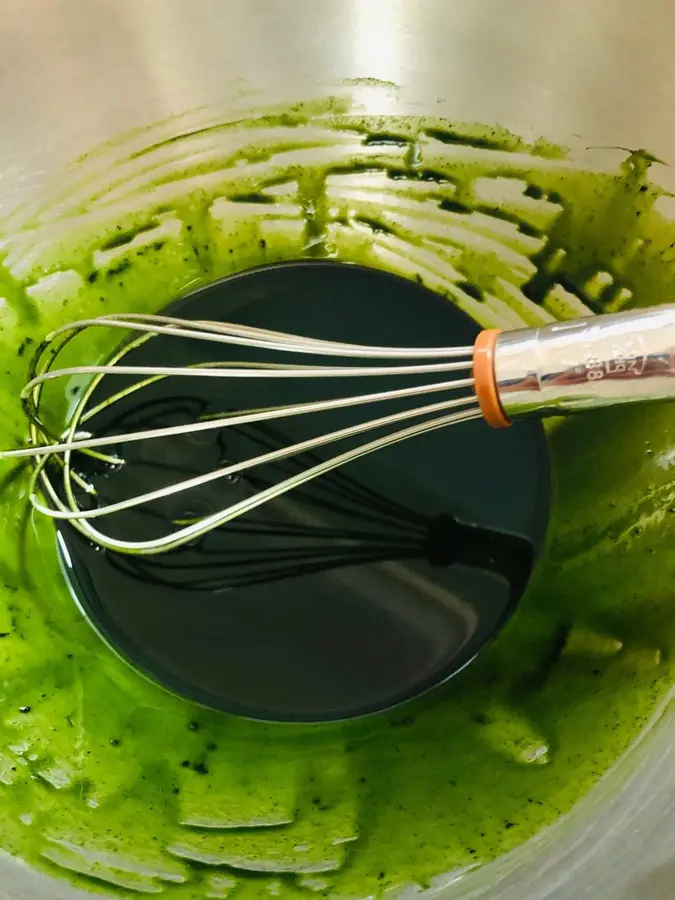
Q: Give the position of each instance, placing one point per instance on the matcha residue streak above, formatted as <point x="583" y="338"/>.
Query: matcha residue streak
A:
<point x="106" y="779"/>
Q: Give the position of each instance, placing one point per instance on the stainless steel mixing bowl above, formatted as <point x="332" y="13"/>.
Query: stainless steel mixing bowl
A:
<point x="76" y="74"/>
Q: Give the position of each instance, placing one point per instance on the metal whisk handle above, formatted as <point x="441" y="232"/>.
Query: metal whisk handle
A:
<point x="569" y="367"/>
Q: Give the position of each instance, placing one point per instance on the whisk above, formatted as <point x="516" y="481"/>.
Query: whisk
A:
<point x="554" y="370"/>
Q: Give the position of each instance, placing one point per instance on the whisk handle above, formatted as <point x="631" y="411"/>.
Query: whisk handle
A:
<point x="585" y="364"/>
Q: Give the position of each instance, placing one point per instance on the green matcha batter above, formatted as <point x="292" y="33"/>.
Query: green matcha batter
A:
<point x="111" y="781"/>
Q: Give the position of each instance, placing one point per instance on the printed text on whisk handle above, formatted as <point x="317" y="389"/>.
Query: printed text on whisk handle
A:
<point x="624" y="361"/>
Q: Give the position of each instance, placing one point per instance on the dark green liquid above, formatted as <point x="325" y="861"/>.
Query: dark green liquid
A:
<point x="352" y="593"/>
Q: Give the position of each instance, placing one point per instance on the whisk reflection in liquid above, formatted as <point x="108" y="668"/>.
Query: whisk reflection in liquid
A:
<point x="331" y="523"/>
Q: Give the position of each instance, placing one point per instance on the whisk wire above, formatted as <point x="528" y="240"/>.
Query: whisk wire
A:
<point x="273" y="456"/>
<point x="168" y="542"/>
<point x="45" y="447"/>
<point x="249" y="336"/>
<point x="85" y="442"/>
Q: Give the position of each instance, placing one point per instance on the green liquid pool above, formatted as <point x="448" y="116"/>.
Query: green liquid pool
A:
<point x="117" y="785"/>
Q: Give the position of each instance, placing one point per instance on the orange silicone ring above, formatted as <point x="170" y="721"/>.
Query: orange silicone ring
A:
<point x="485" y="383"/>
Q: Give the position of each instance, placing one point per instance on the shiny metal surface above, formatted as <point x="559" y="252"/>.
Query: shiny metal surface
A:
<point x="557" y="70"/>
<point x="590" y="72"/>
<point x="569" y="367"/>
